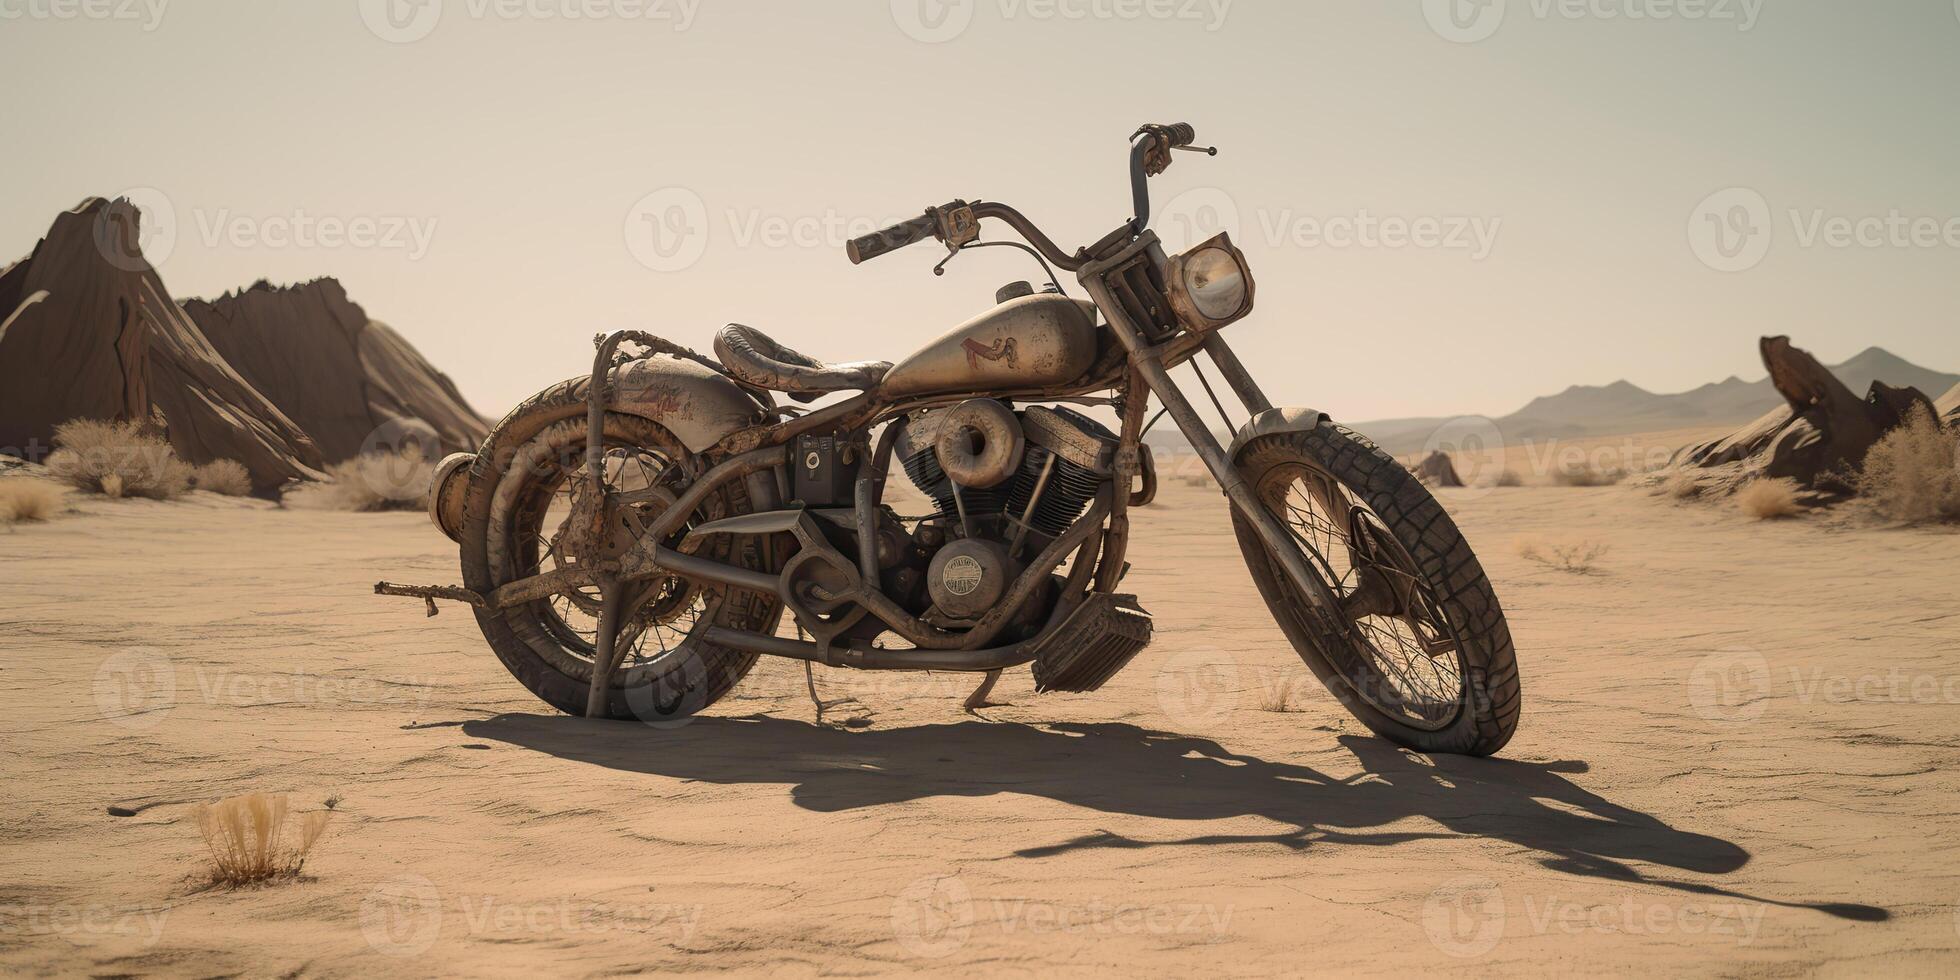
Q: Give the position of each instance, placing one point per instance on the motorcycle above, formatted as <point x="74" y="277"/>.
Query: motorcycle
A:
<point x="630" y="540"/>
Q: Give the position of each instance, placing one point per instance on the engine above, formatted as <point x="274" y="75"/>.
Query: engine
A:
<point x="1004" y="485"/>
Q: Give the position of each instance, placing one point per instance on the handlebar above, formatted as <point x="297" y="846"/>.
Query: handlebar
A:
<point x="1150" y="154"/>
<point x="891" y="239"/>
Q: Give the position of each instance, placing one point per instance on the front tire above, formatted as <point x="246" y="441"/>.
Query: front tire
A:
<point x="1432" y="666"/>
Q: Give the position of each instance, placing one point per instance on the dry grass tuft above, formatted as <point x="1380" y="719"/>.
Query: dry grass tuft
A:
<point x="1682" y="486"/>
<point x="1507" y="478"/>
<point x="374" y="482"/>
<point x="24" y="498"/>
<point x="117" y="459"/>
<point x="225" y="476"/>
<point x="1280" y="693"/>
<point x="247" y="837"/>
<point x="1768" y="500"/>
<point x="1586" y="475"/>
<point x="1913" y="473"/>
<point x="1575" y="555"/>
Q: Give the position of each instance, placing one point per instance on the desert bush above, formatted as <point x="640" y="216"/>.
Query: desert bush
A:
<point x="1575" y="555"/>
<point x="225" y="476"/>
<point x="248" y="838"/>
<point x="1682" y="486"/>
<point x="1507" y="478"/>
<point x="1913" y="473"/>
<point x="1768" y="500"/>
<point x="1279" y="693"/>
<point x="117" y="459"/>
<point x="24" y="498"/>
<point x="371" y="482"/>
<point x="1586" y="475"/>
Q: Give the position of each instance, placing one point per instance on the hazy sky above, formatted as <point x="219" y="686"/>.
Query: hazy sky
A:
<point x="1447" y="210"/>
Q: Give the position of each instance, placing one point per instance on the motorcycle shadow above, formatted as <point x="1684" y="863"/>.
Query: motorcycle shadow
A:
<point x="1119" y="768"/>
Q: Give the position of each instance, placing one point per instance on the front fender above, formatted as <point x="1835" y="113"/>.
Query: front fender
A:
<point x="1273" y="421"/>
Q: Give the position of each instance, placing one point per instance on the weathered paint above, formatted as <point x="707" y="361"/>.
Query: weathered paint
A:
<point x="1028" y="342"/>
<point x="688" y="399"/>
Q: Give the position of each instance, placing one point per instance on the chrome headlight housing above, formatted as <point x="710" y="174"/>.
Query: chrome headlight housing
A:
<point x="1210" y="285"/>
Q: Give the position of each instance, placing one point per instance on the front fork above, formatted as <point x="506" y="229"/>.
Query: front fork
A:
<point x="1147" y="366"/>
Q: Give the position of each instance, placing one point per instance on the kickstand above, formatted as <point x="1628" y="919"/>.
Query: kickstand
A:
<point x="810" y="679"/>
<point x="978" y="699"/>
<point x="606" y="652"/>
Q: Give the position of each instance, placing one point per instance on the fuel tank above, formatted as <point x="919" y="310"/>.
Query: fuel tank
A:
<point x="1028" y="342"/>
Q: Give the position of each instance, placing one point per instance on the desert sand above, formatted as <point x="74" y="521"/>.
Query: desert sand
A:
<point x="1735" y="758"/>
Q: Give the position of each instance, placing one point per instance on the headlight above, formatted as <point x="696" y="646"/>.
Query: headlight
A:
<point x="1210" y="285"/>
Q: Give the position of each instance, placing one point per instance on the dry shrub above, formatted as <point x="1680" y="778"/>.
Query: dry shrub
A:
<point x="1507" y="478"/>
<point x="371" y="482"/>
<point x="1575" y="555"/>
<point x="1279" y="693"/>
<point x="1913" y="473"/>
<point x="1586" y="475"/>
<point x="117" y="459"/>
<point x="225" y="476"/>
<point x="24" y="498"/>
<point x="1768" y="500"/>
<point x="247" y="837"/>
<point x="1682" y="486"/>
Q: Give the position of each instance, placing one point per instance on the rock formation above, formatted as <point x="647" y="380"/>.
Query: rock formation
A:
<point x="1821" y="434"/>
<point x="1437" y="470"/>
<point x="89" y="331"/>
<point x="341" y="376"/>
<point x="282" y="380"/>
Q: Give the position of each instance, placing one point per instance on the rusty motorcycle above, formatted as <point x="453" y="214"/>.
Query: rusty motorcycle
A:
<point x="630" y="540"/>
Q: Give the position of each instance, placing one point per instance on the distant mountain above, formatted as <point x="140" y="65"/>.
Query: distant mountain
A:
<point x="1621" y="407"/>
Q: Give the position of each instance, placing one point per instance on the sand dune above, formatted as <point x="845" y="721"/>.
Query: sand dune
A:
<point x="1736" y="764"/>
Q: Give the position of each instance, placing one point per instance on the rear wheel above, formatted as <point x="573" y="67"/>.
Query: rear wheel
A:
<point x="529" y="511"/>
<point x="1419" y="650"/>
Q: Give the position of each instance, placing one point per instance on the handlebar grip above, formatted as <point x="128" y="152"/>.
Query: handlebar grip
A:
<point x="1181" y="134"/>
<point x="896" y="237"/>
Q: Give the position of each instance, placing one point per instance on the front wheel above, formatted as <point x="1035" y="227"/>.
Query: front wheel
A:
<point x="1418" y="649"/>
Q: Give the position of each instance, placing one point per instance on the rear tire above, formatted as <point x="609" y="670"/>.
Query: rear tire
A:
<point x="1394" y="692"/>
<point x="538" y="641"/>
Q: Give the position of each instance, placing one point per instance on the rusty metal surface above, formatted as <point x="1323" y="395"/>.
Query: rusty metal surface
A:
<point x="448" y="485"/>
<point x="699" y="406"/>
<point x="1272" y="421"/>
<point x="1031" y="342"/>
<point x="756" y="358"/>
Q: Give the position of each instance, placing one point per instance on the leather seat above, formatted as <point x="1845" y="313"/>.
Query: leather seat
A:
<point x="755" y="359"/>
